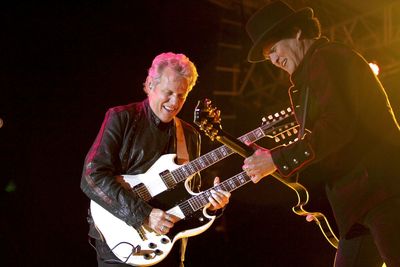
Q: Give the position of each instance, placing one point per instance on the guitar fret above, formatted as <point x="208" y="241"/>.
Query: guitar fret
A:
<point x="197" y="202"/>
<point x="226" y="151"/>
<point x="191" y="168"/>
<point x="194" y="167"/>
<point x="214" y="156"/>
<point x="223" y="152"/>
<point x="201" y="163"/>
<point x="258" y="134"/>
<point x="232" y="184"/>
<point x="177" y="174"/>
<point x="219" y="153"/>
<point x="185" y="170"/>
<point x="192" y="203"/>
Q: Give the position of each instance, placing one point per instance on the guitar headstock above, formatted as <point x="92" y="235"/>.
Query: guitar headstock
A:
<point x="277" y="117"/>
<point x="208" y="118"/>
<point x="285" y="134"/>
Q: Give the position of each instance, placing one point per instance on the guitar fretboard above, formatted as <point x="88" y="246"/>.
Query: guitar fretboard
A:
<point x="199" y="201"/>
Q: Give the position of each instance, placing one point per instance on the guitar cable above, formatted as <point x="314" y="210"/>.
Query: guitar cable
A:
<point x="115" y="261"/>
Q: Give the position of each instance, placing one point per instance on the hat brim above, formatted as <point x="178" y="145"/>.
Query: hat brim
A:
<point x="256" y="52"/>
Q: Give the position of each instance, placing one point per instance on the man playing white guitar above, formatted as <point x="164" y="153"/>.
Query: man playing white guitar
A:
<point x="131" y="139"/>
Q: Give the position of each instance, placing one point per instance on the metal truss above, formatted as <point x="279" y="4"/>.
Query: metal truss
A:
<point x="375" y="34"/>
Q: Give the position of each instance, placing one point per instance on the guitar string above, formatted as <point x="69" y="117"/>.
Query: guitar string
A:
<point x="201" y="200"/>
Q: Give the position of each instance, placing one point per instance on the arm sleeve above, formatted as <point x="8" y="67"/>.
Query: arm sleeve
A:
<point x="102" y="167"/>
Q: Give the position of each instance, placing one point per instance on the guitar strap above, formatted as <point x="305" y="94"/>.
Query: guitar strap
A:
<point x="182" y="153"/>
<point x="182" y="157"/>
<point x="303" y="120"/>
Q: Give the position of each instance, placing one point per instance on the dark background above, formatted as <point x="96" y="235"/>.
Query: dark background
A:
<point x="62" y="66"/>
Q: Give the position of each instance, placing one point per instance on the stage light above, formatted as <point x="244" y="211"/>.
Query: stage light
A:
<point x="374" y="67"/>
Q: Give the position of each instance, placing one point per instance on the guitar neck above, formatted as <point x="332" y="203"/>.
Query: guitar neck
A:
<point x="199" y="201"/>
<point x="241" y="148"/>
<point x="231" y="145"/>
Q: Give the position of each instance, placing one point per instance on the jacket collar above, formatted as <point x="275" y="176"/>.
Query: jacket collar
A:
<point x="154" y="119"/>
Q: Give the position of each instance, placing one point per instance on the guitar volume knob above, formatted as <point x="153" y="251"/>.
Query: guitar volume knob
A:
<point x="152" y="245"/>
<point x="164" y="240"/>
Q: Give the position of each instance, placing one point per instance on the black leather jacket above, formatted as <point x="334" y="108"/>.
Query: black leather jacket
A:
<point x="130" y="140"/>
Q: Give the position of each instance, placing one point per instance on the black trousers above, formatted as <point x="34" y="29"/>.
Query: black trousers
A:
<point x="378" y="240"/>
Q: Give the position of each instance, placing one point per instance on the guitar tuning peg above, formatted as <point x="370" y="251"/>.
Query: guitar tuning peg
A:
<point x="277" y="139"/>
<point x="263" y="121"/>
<point x="213" y="112"/>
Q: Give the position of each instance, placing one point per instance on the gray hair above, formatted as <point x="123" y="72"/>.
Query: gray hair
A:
<point x="178" y="62"/>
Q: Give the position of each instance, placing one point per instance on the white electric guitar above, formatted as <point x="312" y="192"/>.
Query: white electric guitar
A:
<point x="161" y="187"/>
<point x="144" y="247"/>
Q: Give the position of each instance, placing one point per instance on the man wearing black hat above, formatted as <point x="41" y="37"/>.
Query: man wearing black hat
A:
<point x="352" y="140"/>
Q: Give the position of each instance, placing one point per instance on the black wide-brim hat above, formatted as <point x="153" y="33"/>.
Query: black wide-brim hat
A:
<point x="267" y="21"/>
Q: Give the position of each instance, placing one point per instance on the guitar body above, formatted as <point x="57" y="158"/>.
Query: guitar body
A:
<point x="151" y="180"/>
<point x="144" y="247"/>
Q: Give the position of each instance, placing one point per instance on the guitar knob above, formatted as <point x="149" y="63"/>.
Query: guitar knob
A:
<point x="158" y="252"/>
<point x="164" y="240"/>
<point x="152" y="245"/>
